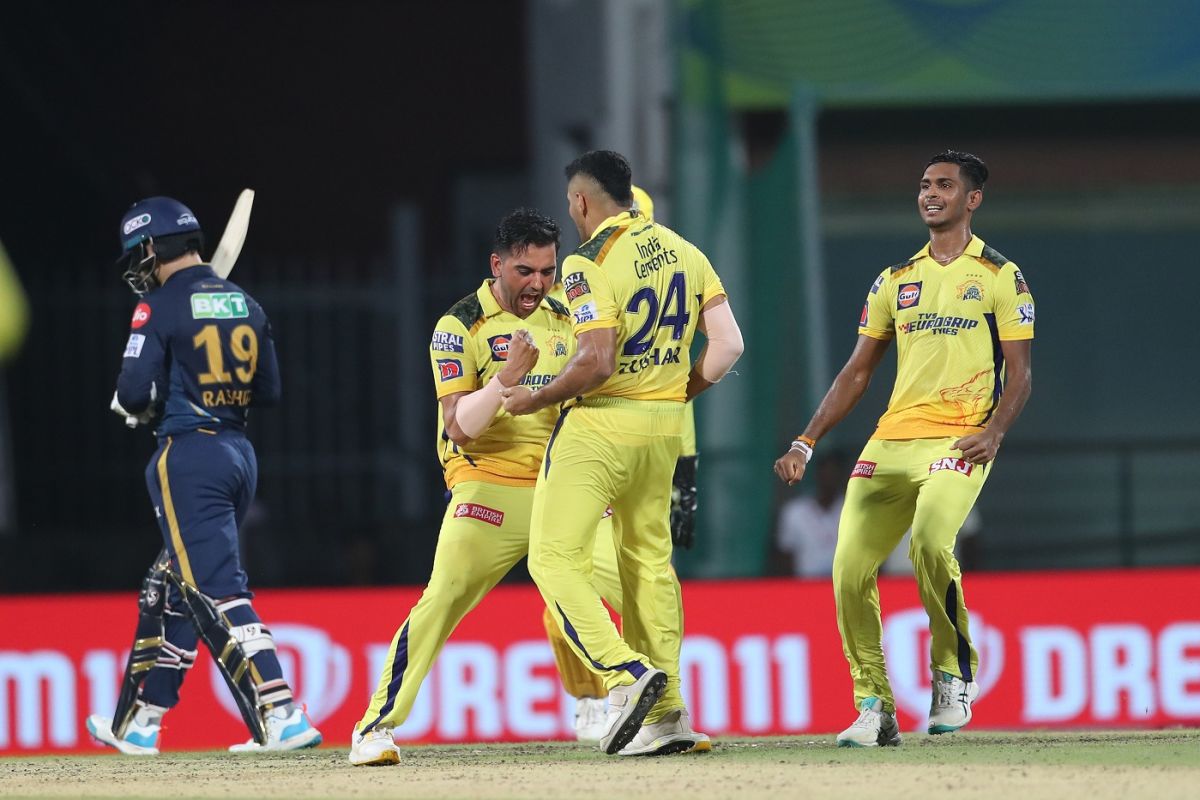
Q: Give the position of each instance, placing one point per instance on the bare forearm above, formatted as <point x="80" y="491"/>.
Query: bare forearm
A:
<point x="696" y="385"/>
<point x="1012" y="402"/>
<point x="579" y="377"/>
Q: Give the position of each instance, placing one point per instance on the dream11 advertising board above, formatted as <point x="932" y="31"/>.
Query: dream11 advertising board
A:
<point x="1072" y="649"/>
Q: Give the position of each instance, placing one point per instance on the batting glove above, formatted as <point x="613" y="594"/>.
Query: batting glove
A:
<point x="683" y="502"/>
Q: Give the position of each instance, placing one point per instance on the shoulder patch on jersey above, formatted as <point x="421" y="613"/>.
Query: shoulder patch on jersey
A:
<point x="468" y="311"/>
<point x="994" y="256"/>
<point x="141" y="315"/>
<point x="596" y="248"/>
<point x="558" y="308"/>
<point x="898" y="268"/>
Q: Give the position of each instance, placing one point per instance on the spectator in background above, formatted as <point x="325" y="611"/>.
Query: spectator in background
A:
<point x="14" y="319"/>
<point x="807" y="532"/>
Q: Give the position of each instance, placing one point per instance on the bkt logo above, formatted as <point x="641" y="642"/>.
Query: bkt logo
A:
<point x="315" y="666"/>
<point x="906" y="649"/>
<point x="499" y="345"/>
<point x="219" y="305"/>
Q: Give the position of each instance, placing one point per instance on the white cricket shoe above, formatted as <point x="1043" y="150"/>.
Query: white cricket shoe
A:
<point x="628" y="706"/>
<point x="873" y="728"/>
<point x="590" y="719"/>
<point x="375" y="748"/>
<point x="950" y="708"/>
<point x="139" y="740"/>
<point x="292" y="732"/>
<point x="671" y="734"/>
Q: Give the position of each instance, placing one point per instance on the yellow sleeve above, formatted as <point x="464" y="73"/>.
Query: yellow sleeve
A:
<point x="590" y="295"/>
<point x="452" y="356"/>
<point x="878" y="318"/>
<point x="1013" y="305"/>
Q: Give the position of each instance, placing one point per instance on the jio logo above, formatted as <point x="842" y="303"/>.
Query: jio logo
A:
<point x="906" y="649"/>
<point x="316" y="667"/>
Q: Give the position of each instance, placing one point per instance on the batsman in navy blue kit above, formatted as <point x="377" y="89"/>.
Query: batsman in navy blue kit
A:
<point x="199" y="356"/>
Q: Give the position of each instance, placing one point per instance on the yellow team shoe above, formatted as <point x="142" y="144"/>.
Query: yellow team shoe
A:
<point x="671" y="734"/>
<point x="628" y="706"/>
<point x="375" y="748"/>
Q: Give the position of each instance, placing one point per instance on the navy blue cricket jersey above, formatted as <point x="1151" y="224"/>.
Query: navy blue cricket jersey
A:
<point x="206" y="346"/>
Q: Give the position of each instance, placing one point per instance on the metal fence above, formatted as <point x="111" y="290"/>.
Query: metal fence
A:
<point x="1071" y="504"/>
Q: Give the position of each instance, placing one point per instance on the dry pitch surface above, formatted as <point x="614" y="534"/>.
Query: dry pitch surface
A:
<point x="1027" y="766"/>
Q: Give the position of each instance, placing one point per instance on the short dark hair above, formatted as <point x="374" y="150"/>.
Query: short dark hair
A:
<point x="609" y="169"/>
<point x="971" y="166"/>
<point x="523" y="228"/>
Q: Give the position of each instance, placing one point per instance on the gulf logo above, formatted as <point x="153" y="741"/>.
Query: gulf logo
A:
<point x="908" y="295"/>
<point x="499" y="345"/>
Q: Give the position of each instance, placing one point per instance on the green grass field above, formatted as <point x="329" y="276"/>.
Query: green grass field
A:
<point x="980" y="764"/>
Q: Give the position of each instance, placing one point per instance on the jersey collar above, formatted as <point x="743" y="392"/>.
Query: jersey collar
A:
<point x="974" y="249"/>
<point x="488" y="300"/>
<point x="624" y="219"/>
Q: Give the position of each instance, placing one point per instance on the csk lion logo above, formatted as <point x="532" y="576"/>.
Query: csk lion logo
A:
<point x="970" y="398"/>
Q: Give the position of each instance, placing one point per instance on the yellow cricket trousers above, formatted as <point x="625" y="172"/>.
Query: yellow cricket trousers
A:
<point x="619" y="453"/>
<point x="920" y="483"/>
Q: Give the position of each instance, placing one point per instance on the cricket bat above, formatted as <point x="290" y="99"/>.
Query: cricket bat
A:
<point x="230" y="246"/>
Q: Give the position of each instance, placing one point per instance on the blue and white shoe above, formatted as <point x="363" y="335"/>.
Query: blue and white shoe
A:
<point x="291" y="732"/>
<point x="140" y="740"/>
<point x="950" y="708"/>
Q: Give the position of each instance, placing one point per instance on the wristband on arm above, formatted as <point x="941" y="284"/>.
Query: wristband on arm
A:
<point x="805" y="445"/>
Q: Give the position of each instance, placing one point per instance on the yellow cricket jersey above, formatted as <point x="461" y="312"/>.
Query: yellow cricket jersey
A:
<point x="949" y="322"/>
<point x="469" y="346"/>
<point x="649" y="283"/>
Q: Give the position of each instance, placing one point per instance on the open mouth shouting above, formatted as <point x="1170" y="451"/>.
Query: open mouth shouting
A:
<point x="528" y="300"/>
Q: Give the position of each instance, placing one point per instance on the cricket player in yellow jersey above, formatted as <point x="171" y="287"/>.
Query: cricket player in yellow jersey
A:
<point x="638" y="293"/>
<point x="577" y="679"/>
<point x="507" y="333"/>
<point x="963" y="319"/>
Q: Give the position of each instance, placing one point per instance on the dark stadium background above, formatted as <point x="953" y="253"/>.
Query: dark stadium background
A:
<point x="370" y="131"/>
